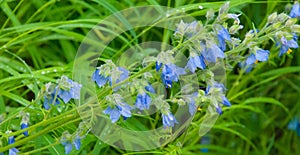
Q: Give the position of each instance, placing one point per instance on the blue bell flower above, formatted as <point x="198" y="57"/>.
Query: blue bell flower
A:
<point x="171" y="73"/>
<point x="168" y="120"/>
<point x="213" y="52"/>
<point x="196" y="62"/>
<point x="259" y="55"/>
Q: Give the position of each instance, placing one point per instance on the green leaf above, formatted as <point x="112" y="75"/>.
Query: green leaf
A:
<point x="266" y="100"/>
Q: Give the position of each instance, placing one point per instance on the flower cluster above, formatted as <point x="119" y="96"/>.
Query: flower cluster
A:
<point x="215" y="92"/>
<point x="69" y="140"/>
<point x="285" y="35"/>
<point x="205" y="46"/>
<point x="65" y="90"/>
<point x="120" y="107"/>
<point x="109" y="72"/>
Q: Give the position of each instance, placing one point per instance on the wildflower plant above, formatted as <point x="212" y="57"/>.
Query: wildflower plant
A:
<point x="146" y="96"/>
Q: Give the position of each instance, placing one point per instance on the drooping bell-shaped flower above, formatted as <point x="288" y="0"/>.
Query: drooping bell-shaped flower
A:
<point x="195" y="62"/>
<point x="170" y="74"/>
<point x="259" y="55"/>
<point x="168" y="120"/>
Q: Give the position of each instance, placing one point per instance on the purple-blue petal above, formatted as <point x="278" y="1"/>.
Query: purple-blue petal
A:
<point x="158" y="66"/>
<point x="68" y="147"/>
<point x="169" y="120"/>
<point x="77" y="143"/>
<point x="114" y="115"/>
<point x="251" y="59"/>
<point x="219" y="110"/>
<point x="13" y="151"/>
<point x="226" y="101"/>
<point x="100" y="80"/>
<point x="11" y="140"/>
<point x="23" y="126"/>
<point x="125" y="110"/>
<point x="212" y="53"/>
<point x="293" y="124"/>
<point x="124" y="75"/>
<point x="191" y="65"/>
<point x="292" y="43"/>
<point x="192" y="107"/>
<point x="262" y="55"/>
<point x="295" y="12"/>
<point x="171" y="73"/>
<point x="150" y="89"/>
<point x="283" y="49"/>
<point x="64" y="95"/>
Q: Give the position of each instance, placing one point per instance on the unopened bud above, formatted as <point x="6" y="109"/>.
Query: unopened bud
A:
<point x="224" y="8"/>
<point x="210" y="14"/>
<point x="272" y="17"/>
<point x="291" y="22"/>
<point x="235" y="28"/>
<point x="296" y="28"/>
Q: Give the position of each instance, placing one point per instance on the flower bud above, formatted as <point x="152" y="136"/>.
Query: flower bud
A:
<point x="210" y="14"/>
<point x="224" y="8"/>
<point x="291" y="22"/>
<point x="272" y="17"/>
<point x="296" y="28"/>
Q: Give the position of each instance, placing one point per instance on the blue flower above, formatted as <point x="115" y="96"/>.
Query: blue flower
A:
<point x="158" y="66"/>
<point x="223" y="99"/>
<point x="205" y="141"/>
<point x="222" y="36"/>
<point x="49" y="99"/>
<point x="68" y="141"/>
<point x="294" y="125"/>
<point x="100" y="79"/>
<point x="68" y="146"/>
<point x="192" y="107"/>
<point x="77" y="142"/>
<point x="217" y="85"/>
<point x="219" y="110"/>
<point x="150" y="89"/>
<point x="295" y="12"/>
<point x="69" y="90"/>
<point x="121" y="109"/>
<point x="66" y="90"/>
<point x="124" y="75"/>
<point x="23" y="126"/>
<point x="12" y="151"/>
<point x="247" y="68"/>
<point x="259" y="55"/>
<point x="170" y="73"/>
<point x="192" y="104"/>
<point x="168" y="120"/>
<point x="143" y="100"/>
<point x="287" y="44"/>
<point x="115" y="77"/>
<point x="196" y="62"/>
<point x="212" y="53"/>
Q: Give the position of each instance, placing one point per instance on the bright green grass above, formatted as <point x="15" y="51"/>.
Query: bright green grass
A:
<point x="39" y="40"/>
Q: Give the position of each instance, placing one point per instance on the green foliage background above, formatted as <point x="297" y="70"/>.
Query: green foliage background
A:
<point x="39" y="40"/>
